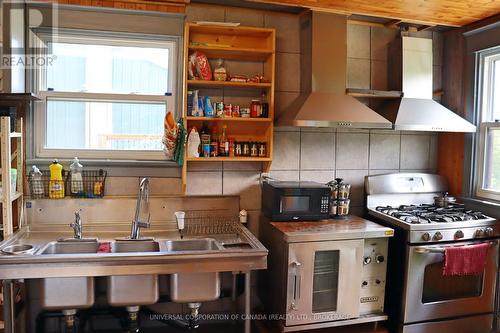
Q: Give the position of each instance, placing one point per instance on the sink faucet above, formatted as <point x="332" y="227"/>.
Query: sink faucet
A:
<point x="142" y="197"/>
<point x="77" y="225"/>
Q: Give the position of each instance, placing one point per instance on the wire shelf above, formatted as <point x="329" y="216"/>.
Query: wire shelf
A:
<point x="218" y="222"/>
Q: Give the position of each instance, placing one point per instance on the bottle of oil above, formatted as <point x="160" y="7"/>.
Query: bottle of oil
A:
<point x="223" y="142"/>
<point x="56" y="183"/>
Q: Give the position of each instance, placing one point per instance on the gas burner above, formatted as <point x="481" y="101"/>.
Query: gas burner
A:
<point x="428" y="213"/>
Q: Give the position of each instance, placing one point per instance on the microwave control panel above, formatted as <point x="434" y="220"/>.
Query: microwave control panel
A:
<point x="373" y="275"/>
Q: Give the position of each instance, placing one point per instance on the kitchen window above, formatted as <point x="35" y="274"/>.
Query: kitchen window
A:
<point x="488" y="185"/>
<point x="104" y="96"/>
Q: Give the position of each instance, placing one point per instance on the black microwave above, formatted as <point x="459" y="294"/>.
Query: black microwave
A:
<point x="295" y="201"/>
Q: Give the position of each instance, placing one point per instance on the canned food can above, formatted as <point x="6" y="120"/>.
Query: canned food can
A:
<point x="228" y="110"/>
<point x="236" y="110"/>
<point x="214" y="150"/>
<point x="206" y="150"/>
<point x="219" y="109"/>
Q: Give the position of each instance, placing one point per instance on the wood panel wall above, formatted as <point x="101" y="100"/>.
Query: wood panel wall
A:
<point x="451" y="145"/>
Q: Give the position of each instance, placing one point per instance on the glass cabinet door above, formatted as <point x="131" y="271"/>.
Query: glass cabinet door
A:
<point x="325" y="281"/>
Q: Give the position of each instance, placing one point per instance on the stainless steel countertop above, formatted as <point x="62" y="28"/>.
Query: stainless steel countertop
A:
<point x="105" y="264"/>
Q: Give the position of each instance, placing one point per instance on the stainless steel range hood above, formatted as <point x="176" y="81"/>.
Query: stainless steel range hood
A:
<point x="323" y="102"/>
<point x="410" y="70"/>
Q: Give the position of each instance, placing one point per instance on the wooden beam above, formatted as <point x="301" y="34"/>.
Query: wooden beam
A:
<point x="392" y="24"/>
<point x="425" y="27"/>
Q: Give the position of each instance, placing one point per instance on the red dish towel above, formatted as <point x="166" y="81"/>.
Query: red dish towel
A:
<point x="104" y="247"/>
<point x="465" y="260"/>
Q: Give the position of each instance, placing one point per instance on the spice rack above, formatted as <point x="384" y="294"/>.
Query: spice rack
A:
<point x="242" y="44"/>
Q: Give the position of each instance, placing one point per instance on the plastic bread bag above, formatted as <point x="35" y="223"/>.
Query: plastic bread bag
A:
<point x="193" y="143"/>
<point x="203" y="66"/>
<point x="192" y="75"/>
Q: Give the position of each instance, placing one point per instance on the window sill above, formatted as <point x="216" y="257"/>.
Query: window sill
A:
<point x="119" y="168"/>
<point x="489" y="207"/>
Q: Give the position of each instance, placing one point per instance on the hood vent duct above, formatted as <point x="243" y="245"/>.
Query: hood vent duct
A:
<point x="411" y="71"/>
<point x="323" y="101"/>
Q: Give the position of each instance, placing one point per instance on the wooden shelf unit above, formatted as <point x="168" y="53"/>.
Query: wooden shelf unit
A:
<point x="245" y="44"/>
<point x="228" y="84"/>
<point x="11" y="156"/>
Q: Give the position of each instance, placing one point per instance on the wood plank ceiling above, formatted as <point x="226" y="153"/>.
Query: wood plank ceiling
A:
<point x="454" y="13"/>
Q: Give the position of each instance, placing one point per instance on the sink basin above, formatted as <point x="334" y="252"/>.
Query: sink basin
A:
<point x="205" y="244"/>
<point x="194" y="287"/>
<point x="130" y="290"/>
<point x="71" y="292"/>
<point x="134" y="246"/>
<point x="70" y="247"/>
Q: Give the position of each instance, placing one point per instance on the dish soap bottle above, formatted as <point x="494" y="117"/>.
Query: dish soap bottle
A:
<point x="36" y="182"/>
<point x="56" y="183"/>
<point x="76" y="177"/>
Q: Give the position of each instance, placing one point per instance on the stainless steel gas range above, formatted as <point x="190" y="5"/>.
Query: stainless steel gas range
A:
<point x="420" y="298"/>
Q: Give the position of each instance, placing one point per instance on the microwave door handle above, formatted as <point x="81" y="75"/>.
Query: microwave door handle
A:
<point x="296" y="284"/>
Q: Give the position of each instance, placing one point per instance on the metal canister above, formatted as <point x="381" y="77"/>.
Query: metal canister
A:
<point x="245" y="149"/>
<point x="254" y="149"/>
<point x="237" y="149"/>
<point x="262" y="149"/>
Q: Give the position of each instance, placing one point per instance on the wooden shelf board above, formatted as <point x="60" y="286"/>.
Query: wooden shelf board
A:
<point x="232" y="31"/>
<point x="222" y="84"/>
<point x="369" y="93"/>
<point x="16" y="135"/>
<point x="229" y="159"/>
<point x="239" y="53"/>
<point x="235" y="119"/>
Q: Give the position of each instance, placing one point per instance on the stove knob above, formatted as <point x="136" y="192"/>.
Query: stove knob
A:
<point x="364" y="284"/>
<point x="426" y="237"/>
<point x="367" y="260"/>
<point x="459" y="234"/>
<point x="488" y="231"/>
<point x="379" y="258"/>
<point x="438" y="236"/>
<point x="479" y="233"/>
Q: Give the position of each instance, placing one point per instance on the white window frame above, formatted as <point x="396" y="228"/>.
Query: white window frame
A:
<point x="99" y="38"/>
<point x="485" y="110"/>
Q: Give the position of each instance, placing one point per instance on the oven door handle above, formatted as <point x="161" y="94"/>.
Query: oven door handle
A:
<point x="296" y="285"/>
<point x="428" y="249"/>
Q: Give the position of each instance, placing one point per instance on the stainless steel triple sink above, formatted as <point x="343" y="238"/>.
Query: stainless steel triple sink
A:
<point x="129" y="290"/>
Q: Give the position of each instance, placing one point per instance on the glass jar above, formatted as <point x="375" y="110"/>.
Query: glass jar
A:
<point x="255" y="108"/>
<point x="340" y="207"/>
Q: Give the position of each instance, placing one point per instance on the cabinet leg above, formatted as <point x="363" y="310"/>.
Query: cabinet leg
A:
<point x="8" y="305"/>
<point x="248" y="321"/>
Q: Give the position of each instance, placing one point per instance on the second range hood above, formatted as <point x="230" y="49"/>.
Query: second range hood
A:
<point x="323" y="102"/>
<point x="411" y="72"/>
